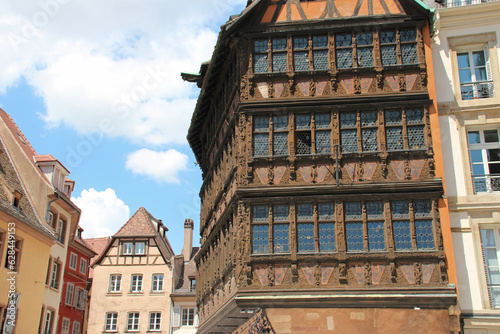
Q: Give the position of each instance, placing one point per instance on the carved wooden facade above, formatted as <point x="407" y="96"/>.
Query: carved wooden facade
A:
<point x="314" y="137"/>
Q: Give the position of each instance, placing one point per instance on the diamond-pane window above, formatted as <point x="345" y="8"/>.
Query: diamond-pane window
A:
<point x="301" y="61"/>
<point x="303" y="143"/>
<point x="352" y="210"/>
<point x="368" y="118"/>
<point x="305" y="237"/>
<point x="364" y="38"/>
<point x="348" y="120"/>
<point x="402" y="235"/>
<point x="261" y="213"/>
<point x="409" y="53"/>
<point x="280" y="122"/>
<point x="414" y="115"/>
<point x="280" y="237"/>
<point x="375" y="210"/>
<point x="354" y="233"/>
<point x="260" y="45"/>
<point x="389" y="56"/>
<point x="280" y="212"/>
<point x="320" y="60"/>
<point x="300" y="43"/>
<point x="369" y="140"/>
<point x="279" y="62"/>
<point x="408" y="35"/>
<point x="323" y="142"/>
<point x="343" y="40"/>
<point x="320" y="41"/>
<point x="303" y="122"/>
<point x="422" y="208"/>
<point x="280" y="143"/>
<point x="400" y="209"/>
<point x="416" y="139"/>
<point x="261" y="144"/>
<point x="424" y="233"/>
<point x="365" y="57"/>
<point x="376" y="238"/>
<point x="344" y="58"/>
<point x="325" y="211"/>
<point x="304" y="211"/>
<point x="261" y="123"/>
<point x="393" y="117"/>
<point x="322" y="121"/>
<point x="260" y="238"/>
<point x="279" y="44"/>
<point x="387" y="36"/>
<point x="394" y="138"/>
<point x="326" y="237"/>
<point x="349" y="141"/>
<point x="261" y="64"/>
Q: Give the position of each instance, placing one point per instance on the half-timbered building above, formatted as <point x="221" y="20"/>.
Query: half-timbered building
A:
<point x="322" y="198"/>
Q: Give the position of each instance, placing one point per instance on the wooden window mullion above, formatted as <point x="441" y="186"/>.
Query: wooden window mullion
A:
<point x="354" y="51"/>
<point x="271" y="136"/>
<point x="316" y="227"/>
<point x="404" y="126"/>
<point x="270" y="232"/>
<point x="398" y="47"/>
<point x="412" y="226"/>
<point x="313" y="134"/>
<point x="364" y="218"/>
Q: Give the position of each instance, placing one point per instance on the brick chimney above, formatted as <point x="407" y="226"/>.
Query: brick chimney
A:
<point x="188" y="239"/>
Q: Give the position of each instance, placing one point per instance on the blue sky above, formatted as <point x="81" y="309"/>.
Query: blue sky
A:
<point x="97" y="85"/>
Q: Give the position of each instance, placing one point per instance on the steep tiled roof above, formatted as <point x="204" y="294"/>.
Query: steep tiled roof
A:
<point x="18" y="135"/>
<point x="98" y="245"/>
<point x="140" y="224"/>
<point x="183" y="271"/>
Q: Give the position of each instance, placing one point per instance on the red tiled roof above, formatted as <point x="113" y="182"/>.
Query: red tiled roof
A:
<point x="140" y="224"/>
<point x="98" y="245"/>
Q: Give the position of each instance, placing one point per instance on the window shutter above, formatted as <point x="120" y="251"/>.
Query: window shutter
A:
<point x="177" y="317"/>
<point x="488" y="62"/>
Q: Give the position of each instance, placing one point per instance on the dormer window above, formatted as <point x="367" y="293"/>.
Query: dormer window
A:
<point x="140" y="248"/>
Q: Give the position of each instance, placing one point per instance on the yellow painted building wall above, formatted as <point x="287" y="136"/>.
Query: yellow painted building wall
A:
<point x="30" y="278"/>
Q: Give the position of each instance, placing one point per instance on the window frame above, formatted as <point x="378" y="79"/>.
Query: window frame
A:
<point x="65" y="329"/>
<point x="84" y="265"/>
<point x="157" y="285"/>
<point x="69" y="298"/>
<point x="484" y="147"/>
<point x="155" y="321"/>
<point x="115" y="281"/>
<point x="55" y="275"/>
<point x="136" y="283"/>
<point x="189" y="320"/>
<point x="75" y="329"/>
<point x="111" y="322"/>
<point x="133" y="319"/>
<point x="71" y="257"/>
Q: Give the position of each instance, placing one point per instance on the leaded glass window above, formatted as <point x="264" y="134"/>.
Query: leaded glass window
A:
<point x="388" y="47"/>
<point x="279" y="55"/>
<point x="402" y="235"/>
<point x="303" y="143"/>
<point x="280" y="122"/>
<point x="320" y="52"/>
<point x="422" y="208"/>
<point x="348" y="132"/>
<point x="364" y="42"/>
<point x="400" y="209"/>
<point x="375" y="210"/>
<point x="322" y="121"/>
<point x="352" y="210"/>
<point x="323" y="142"/>
<point x="305" y="237"/>
<point x="325" y="211"/>
<point x="326" y="237"/>
<point x="409" y="46"/>
<point x="354" y="233"/>
<point x="376" y="235"/>
<point x="261" y="123"/>
<point x="369" y="131"/>
<point x="261" y="54"/>
<point x="280" y="143"/>
<point x="280" y="212"/>
<point x="261" y="213"/>
<point x="261" y="144"/>
<point x="343" y="43"/>
<point x="425" y="234"/>
<point x="304" y="211"/>
<point x="301" y="58"/>
<point x="280" y="238"/>
<point x="394" y="130"/>
<point x="415" y="120"/>
<point x="260" y="238"/>
<point x="303" y="122"/>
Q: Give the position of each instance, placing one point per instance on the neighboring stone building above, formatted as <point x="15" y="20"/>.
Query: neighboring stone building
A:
<point x="317" y="134"/>
<point x="132" y="279"/>
<point x="466" y="59"/>
<point x="73" y="310"/>
<point x="25" y="241"/>
<point x="183" y="295"/>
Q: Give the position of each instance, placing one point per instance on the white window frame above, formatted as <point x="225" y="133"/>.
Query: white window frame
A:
<point x="136" y="283"/>
<point x="157" y="283"/>
<point x="115" y="283"/>
<point x="128" y="248"/>
<point x="190" y="313"/>
<point x="474" y="81"/>
<point x="65" y="325"/>
<point x="153" y="319"/>
<point x="54" y="276"/>
<point x="133" y="321"/>
<point x="83" y="265"/>
<point x="73" y="259"/>
<point x="483" y="147"/>
<point x="140" y="250"/>
<point x="70" y="295"/>
<point x="76" y="328"/>
<point x="47" y="322"/>
<point x="111" y="322"/>
<point x="79" y="300"/>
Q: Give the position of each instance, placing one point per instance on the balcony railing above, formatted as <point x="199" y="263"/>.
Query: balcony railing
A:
<point x="486" y="183"/>
<point x="459" y="3"/>
<point x="477" y="90"/>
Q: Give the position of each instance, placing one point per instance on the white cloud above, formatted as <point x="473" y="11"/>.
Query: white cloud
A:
<point x="115" y="61"/>
<point x="103" y="213"/>
<point x="162" y="167"/>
